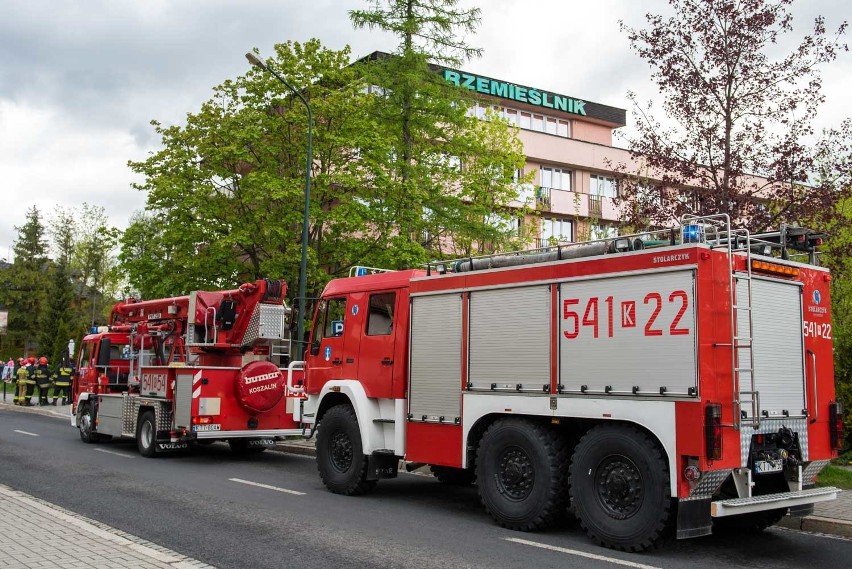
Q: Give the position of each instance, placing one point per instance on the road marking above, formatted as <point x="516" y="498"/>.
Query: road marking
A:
<point x="580" y="553"/>
<point x="112" y="452"/>
<point x="26" y="433"/>
<point x="814" y="533"/>
<point x="268" y="487"/>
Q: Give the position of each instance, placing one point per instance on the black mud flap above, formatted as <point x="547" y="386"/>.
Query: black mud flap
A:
<point x="693" y="518"/>
<point x="172" y="447"/>
<point x="260" y="443"/>
<point x="382" y="465"/>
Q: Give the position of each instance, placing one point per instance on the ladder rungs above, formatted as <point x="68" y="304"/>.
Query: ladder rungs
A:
<point x="742" y="369"/>
<point x="738" y="307"/>
<point x="747" y="338"/>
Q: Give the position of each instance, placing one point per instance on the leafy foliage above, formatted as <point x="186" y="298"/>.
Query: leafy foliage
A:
<point x="25" y="290"/>
<point x="225" y="194"/>
<point x="741" y="117"/>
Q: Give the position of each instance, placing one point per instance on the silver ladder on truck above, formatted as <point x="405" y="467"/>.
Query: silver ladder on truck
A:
<point x="715" y="230"/>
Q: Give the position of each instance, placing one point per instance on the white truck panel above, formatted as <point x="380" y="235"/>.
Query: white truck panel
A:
<point x="629" y="332"/>
<point x="510" y="337"/>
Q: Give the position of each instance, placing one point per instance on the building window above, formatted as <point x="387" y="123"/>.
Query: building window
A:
<point x="538" y="123"/>
<point x="555" y="178"/>
<point x="556" y="231"/>
<point x="562" y="129"/>
<point x="526" y="121"/>
<point x="603" y="186"/>
<point x="602" y="231"/>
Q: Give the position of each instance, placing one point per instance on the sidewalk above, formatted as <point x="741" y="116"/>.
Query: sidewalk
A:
<point x="45" y="536"/>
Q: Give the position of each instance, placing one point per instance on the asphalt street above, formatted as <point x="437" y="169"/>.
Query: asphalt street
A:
<point x="271" y="511"/>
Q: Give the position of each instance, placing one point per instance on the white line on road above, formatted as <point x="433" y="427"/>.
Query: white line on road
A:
<point x="121" y="454"/>
<point x="26" y="433"/>
<point x="580" y="553"/>
<point x="268" y="487"/>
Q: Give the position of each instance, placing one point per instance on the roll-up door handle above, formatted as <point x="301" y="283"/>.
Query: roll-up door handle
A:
<point x="387" y="362"/>
<point x="814" y="374"/>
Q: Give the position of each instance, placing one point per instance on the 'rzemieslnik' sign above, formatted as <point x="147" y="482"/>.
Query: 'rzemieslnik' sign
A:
<point x="507" y="90"/>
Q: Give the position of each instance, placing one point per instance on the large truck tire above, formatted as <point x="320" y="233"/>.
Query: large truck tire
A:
<point x="522" y="475"/>
<point x="341" y="461"/>
<point x="619" y="485"/>
<point x="86" y="424"/>
<point x="453" y="476"/>
<point x="146" y="434"/>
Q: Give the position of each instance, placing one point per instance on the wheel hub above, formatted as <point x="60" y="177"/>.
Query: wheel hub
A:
<point x="620" y="487"/>
<point x="516" y="474"/>
<point x="341" y="452"/>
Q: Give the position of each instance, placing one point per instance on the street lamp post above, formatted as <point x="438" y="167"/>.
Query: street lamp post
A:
<point x="303" y="268"/>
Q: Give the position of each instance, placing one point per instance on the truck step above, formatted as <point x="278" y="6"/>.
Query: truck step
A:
<point x="736" y="506"/>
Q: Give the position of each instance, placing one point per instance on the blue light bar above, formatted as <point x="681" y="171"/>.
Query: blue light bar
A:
<point x="693" y="234"/>
<point x="361" y="272"/>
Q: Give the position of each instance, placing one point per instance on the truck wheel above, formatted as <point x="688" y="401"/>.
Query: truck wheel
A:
<point x="341" y="461"/>
<point x="87" y="424"/>
<point x="521" y="474"/>
<point x="619" y="486"/>
<point x="453" y="476"/>
<point x="146" y="435"/>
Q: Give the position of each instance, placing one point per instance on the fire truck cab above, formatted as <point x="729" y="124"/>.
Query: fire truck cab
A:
<point x="676" y="380"/>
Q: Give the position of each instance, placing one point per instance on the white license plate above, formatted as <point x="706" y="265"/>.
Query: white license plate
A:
<point x="764" y="466"/>
<point x="196" y="428"/>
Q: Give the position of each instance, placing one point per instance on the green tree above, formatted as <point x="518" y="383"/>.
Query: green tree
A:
<point x="442" y="178"/>
<point x="58" y="323"/>
<point x="225" y="194"/>
<point x="94" y="265"/>
<point x="27" y="280"/>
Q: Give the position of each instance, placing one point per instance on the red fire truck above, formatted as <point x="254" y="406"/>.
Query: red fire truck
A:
<point x="189" y="369"/>
<point x="653" y="383"/>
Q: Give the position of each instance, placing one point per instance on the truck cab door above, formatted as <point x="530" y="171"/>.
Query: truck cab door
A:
<point x="325" y="354"/>
<point x="376" y="363"/>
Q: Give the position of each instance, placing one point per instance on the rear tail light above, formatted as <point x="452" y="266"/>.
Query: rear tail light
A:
<point x="713" y="430"/>
<point x="202" y="420"/>
<point x="835" y="424"/>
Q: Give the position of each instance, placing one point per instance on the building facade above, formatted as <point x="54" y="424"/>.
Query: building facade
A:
<point x="569" y="155"/>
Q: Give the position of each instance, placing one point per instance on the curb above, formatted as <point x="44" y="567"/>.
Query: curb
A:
<point x="817" y="524"/>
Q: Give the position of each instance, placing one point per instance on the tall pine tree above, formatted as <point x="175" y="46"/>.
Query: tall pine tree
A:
<point x="57" y="322"/>
<point x="27" y="279"/>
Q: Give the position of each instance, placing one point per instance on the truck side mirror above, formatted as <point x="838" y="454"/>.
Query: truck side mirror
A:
<point x="315" y="346"/>
<point x="104" y="352"/>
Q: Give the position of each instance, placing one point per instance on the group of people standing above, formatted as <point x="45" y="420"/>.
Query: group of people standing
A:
<point x="29" y="374"/>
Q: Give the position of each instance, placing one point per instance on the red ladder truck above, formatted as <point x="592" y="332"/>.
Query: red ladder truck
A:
<point x="189" y="369"/>
<point x="652" y="382"/>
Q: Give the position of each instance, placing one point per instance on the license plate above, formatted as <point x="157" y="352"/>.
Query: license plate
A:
<point x="196" y="428"/>
<point x="764" y="466"/>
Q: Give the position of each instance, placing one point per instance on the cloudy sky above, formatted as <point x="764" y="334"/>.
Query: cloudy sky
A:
<point x="81" y="79"/>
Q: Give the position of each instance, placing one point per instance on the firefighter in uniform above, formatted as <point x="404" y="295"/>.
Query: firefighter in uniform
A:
<point x="26" y="384"/>
<point x="62" y="381"/>
<point x="41" y="374"/>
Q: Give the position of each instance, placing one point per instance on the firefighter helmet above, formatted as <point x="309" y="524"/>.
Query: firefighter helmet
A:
<point x="31" y="360"/>
<point x="42" y="361"/>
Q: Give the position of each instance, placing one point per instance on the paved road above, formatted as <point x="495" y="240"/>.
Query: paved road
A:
<point x="272" y="511"/>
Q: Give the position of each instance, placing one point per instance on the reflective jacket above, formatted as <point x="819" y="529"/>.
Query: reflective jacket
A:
<point x="63" y="374"/>
<point x="24" y="375"/>
<point x="42" y="375"/>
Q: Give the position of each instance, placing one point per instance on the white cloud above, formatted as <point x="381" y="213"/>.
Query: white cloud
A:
<point x="81" y="79"/>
